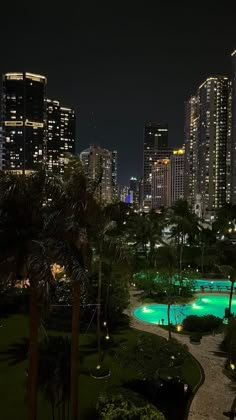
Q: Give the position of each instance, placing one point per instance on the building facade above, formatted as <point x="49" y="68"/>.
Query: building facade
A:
<point x="114" y="173"/>
<point x="233" y="129"/>
<point x="190" y="134"/>
<point x="177" y="163"/>
<point x="155" y="148"/>
<point x="161" y="184"/>
<point x="23" y="117"/>
<point x="60" y="135"/>
<point x="1" y="150"/>
<point x="134" y="191"/>
<point x="207" y="144"/>
<point x="97" y="164"/>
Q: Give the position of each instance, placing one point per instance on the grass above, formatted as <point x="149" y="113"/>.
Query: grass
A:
<point x="12" y="378"/>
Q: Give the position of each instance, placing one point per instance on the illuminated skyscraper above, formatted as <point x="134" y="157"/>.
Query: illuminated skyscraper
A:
<point x="97" y="164"/>
<point x="23" y="120"/>
<point x="1" y="149"/>
<point x="60" y="135"/>
<point x="155" y="148"/>
<point x="134" y="191"/>
<point x="233" y="131"/>
<point x="161" y="184"/>
<point x="114" y="171"/>
<point x="177" y="162"/>
<point x="191" y="142"/>
<point x="207" y="144"/>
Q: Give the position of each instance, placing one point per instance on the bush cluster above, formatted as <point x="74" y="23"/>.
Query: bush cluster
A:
<point x="207" y="323"/>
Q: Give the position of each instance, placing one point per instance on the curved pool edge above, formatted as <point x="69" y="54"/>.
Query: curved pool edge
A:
<point x="162" y="332"/>
<point x="201" y="305"/>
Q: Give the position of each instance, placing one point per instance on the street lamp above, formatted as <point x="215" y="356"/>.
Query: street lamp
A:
<point x="231" y="294"/>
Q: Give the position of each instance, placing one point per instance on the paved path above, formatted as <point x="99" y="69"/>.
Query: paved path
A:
<point x="215" y="396"/>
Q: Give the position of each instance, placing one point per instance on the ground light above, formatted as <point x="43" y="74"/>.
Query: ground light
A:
<point x="232" y="366"/>
<point x="179" y="328"/>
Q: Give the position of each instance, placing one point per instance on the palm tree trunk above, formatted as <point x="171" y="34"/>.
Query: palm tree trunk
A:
<point x="107" y="301"/>
<point x="181" y="254"/>
<point x="63" y="410"/>
<point x="68" y="410"/>
<point x="230" y="296"/>
<point x="74" y="351"/>
<point x="168" y="318"/>
<point x="53" y="410"/>
<point x="99" y="310"/>
<point x="202" y="259"/>
<point x="33" y="352"/>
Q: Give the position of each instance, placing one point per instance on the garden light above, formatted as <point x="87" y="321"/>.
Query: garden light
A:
<point x="179" y="328"/>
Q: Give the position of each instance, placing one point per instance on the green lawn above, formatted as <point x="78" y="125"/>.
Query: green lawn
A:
<point x="12" y="378"/>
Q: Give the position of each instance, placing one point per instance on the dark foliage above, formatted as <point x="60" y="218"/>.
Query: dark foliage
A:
<point x="207" y="323"/>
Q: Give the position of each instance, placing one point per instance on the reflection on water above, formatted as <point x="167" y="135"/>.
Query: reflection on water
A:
<point x="207" y="305"/>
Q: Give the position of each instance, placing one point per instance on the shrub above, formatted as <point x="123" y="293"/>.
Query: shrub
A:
<point x="195" y="337"/>
<point x="207" y="323"/>
<point x="229" y="342"/>
<point x="117" y="407"/>
<point x="167" y="395"/>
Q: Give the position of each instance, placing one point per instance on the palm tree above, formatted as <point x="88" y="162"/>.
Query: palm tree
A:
<point x="145" y="232"/>
<point x="71" y="213"/>
<point x="230" y="272"/>
<point x="206" y="239"/>
<point x="54" y="374"/>
<point x="21" y="203"/>
<point x="54" y="370"/>
<point x="225" y="222"/>
<point x="167" y="269"/>
<point x="108" y="244"/>
<point x="37" y="236"/>
<point x="184" y="224"/>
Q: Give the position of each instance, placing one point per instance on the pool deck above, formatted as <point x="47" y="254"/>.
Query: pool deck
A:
<point x="215" y="397"/>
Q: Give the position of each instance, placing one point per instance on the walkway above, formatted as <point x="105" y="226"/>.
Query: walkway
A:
<point x="215" y="395"/>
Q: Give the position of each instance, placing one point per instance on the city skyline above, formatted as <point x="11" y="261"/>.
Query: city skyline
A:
<point x="122" y="67"/>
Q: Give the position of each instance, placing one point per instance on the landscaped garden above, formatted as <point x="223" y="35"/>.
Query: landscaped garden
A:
<point x="67" y="262"/>
<point x="130" y="358"/>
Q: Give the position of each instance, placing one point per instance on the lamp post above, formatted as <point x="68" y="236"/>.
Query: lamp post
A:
<point x="232" y="279"/>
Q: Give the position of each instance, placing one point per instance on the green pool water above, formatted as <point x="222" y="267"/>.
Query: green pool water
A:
<point x="203" y="305"/>
<point x="221" y="285"/>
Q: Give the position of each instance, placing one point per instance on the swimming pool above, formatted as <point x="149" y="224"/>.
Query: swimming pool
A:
<point x="221" y="285"/>
<point x="203" y="305"/>
<point x="216" y="285"/>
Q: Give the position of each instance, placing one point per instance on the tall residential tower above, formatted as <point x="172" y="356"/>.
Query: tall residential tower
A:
<point x="23" y="119"/>
<point x="207" y="144"/>
<point x="97" y="164"/>
<point x="233" y="130"/>
<point x="155" y="148"/>
<point x="60" y="135"/>
<point x="177" y="162"/>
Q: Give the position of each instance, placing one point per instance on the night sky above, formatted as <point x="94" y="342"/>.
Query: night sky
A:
<point x="119" y="64"/>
